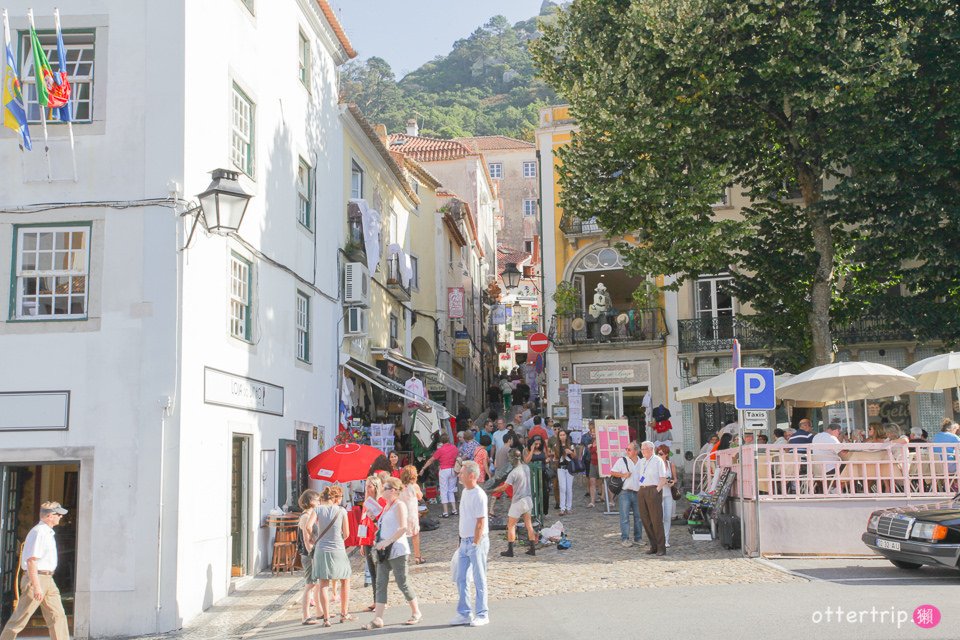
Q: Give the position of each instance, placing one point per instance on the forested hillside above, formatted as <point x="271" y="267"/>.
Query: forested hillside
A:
<point x="485" y="86"/>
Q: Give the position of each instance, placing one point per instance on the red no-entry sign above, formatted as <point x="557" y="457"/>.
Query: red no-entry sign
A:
<point x="538" y="342"/>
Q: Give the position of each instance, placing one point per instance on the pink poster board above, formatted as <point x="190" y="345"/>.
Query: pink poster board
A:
<point x="613" y="436"/>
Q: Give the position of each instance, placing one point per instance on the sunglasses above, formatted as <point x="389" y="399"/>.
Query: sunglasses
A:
<point x="389" y="489"/>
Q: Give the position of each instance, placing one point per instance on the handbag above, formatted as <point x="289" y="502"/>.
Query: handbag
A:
<point x="383" y="555"/>
<point x="674" y="489"/>
<point x="615" y="484"/>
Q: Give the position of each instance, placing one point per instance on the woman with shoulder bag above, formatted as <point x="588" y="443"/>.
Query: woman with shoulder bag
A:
<point x="309" y="500"/>
<point x="564" y="453"/>
<point x="330" y="562"/>
<point x="671" y="493"/>
<point x="392" y="549"/>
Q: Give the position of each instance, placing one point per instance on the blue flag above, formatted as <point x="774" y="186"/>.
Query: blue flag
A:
<point x="14" y="115"/>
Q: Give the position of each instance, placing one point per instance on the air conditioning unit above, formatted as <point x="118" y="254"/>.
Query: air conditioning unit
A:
<point x="356" y="321"/>
<point x="356" y="284"/>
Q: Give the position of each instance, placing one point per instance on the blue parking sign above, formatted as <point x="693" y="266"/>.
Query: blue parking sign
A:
<point x="754" y="389"/>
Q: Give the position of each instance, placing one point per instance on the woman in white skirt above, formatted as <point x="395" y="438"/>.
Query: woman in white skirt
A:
<point x="668" y="502"/>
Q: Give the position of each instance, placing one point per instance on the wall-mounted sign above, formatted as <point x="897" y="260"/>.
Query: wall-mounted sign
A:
<point x="629" y="373"/>
<point x="229" y="390"/>
<point x="499" y="315"/>
<point x="34" y="411"/>
<point x="455" y="299"/>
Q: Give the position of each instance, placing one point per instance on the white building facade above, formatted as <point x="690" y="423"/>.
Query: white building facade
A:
<point x="168" y="395"/>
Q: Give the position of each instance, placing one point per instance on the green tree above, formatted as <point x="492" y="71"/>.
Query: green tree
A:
<point x="678" y="98"/>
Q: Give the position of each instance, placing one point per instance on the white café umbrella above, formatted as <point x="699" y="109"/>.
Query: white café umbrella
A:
<point x="847" y="381"/>
<point x="936" y="373"/>
<point x="718" y="388"/>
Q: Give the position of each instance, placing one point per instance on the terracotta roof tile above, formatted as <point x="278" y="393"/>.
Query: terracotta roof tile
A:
<point x="425" y="149"/>
<point x="491" y="143"/>
<point x="331" y="17"/>
<point x="506" y="255"/>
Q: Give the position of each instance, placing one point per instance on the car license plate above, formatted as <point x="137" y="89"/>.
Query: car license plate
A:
<point x="893" y="545"/>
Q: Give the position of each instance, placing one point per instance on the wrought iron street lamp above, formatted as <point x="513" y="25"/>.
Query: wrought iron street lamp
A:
<point x="222" y="205"/>
<point x="511" y="275"/>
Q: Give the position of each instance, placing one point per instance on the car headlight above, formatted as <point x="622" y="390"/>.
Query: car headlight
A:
<point x="928" y="531"/>
<point x="873" y="522"/>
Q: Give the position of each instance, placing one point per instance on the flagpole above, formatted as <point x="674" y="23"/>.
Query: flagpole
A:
<point x="73" y="150"/>
<point x="43" y="116"/>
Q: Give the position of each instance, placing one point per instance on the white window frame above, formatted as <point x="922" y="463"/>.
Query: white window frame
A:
<point x="498" y="173"/>
<point x="303" y="327"/>
<point x="303" y="62"/>
<point x="81" y="50"/>
<point x="304" y="194"/>
<point x="21" y="273"/>
<point x="414" y="272"/>
<point x="356" y="180"/>
<point x="529" y="169"/>
<point x="243" y="128"/>
<point x="240" y="293"/>
<point x="529" y="207"/>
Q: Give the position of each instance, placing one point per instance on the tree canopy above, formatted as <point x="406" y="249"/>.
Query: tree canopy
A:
<point x="837" y="119"/>
<point x="486" y="85"/>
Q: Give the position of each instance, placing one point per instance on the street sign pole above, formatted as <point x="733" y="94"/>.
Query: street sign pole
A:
<point x="754" y="394"/>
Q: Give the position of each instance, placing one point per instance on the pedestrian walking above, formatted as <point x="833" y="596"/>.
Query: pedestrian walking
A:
<point x="506" y="390"/>
<point x="391" y="550"/>
<point x="471" y="556"/>
<point x="482" y="457"/>
<point x="411" y="496"/>
<point x="306" y="538"/>
<point x="521" y="505"/>
<point x="651" y="476"/>
<point x="330" y="562"/>
<point x="563" y="454"/>
<point x="446" y="456"/>
<point x="38" y="561"/>
<point x="669" y="505"/>
<point x="374" y="491"/>
<point x="627" y="500"/>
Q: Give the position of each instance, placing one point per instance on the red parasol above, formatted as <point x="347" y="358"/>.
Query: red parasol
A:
<point x="343" y="462"/>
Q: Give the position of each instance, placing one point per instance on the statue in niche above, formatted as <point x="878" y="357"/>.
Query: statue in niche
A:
<point x="601" y="302"/>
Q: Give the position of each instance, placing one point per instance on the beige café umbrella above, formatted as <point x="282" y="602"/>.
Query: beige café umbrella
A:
<point x="846" y="381"/>
<point x="936" y="373"/>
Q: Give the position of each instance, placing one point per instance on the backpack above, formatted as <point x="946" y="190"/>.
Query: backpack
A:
<point x="615" y="484"/>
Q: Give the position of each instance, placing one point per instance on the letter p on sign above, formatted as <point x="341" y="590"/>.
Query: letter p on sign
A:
<point x="754" y="389"/>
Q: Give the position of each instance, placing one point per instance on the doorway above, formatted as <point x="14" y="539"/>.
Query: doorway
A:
<point x="23" y="488"/>
<point x="240" y="505"/>
<point x="713" y="417"/>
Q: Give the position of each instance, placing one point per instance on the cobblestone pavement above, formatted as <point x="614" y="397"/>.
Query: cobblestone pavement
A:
<point x="595" y="562"/>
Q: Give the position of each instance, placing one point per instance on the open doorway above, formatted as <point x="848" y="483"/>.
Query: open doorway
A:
<point x="23" y="488"/>
<point x="239" y="505"/>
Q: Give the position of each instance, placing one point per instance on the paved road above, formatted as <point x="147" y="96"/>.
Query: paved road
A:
<point x="745" y="612"/>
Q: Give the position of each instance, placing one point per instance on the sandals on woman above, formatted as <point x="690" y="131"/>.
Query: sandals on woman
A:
<point x="376" y="623"/>
<point x="345" y="617"/>
<point x="414" y="619"/>
<point x="326" y="622"/>
<point x="419" y="560"/>
<point x="310" y="620"/>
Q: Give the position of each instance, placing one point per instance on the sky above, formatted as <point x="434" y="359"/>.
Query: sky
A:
<point x="407" y="33"/>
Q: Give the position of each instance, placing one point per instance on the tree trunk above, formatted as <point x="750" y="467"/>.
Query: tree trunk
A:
<point x="821" y="293"/>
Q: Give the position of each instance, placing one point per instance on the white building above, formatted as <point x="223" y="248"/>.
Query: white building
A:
<point x="165" y="395"/>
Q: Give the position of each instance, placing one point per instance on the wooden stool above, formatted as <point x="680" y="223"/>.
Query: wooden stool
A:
<point x="284" y="543"/>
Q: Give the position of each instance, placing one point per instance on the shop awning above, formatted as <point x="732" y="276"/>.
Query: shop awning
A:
<point x="431" y="373"/>
<point x="374" y="377"/>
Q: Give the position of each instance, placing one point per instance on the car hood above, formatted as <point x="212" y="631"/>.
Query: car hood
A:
<point x="945" y="513"/>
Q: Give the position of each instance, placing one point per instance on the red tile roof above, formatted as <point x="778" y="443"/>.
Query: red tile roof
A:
<point x="425" y="149"/>
<point x="491" y="143"/>
<point x="506" y="255"/>
<point x="331" y="17"/>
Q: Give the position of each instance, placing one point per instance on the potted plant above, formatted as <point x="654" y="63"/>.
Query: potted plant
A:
<point x="355" y="251"/>
<point x="565" y="298"/>
<point x="646" y="299"/>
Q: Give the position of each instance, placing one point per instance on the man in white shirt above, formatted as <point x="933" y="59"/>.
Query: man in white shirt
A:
<point x="830" y="458"/>
<point x="651" y="477"/>
<point x="627" y="500"/>
<point x="38" y="561"/>
<point x="474" y="545"/>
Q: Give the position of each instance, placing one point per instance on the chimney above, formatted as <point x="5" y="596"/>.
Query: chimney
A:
<point x="412" y="128"/>
<point x="381" y="131"/>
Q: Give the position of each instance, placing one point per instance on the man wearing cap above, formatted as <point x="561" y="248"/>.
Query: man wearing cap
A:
<point x="37" y="589"/>
<point x="521" y="505"/>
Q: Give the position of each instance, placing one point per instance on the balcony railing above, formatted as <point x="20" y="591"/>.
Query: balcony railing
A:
<point x="631" y="325"/>
<point x="717" y="334"/>
<point x="573" y="226"/>
<point x="395" y="280"/>
<point x="871" y="329"/>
